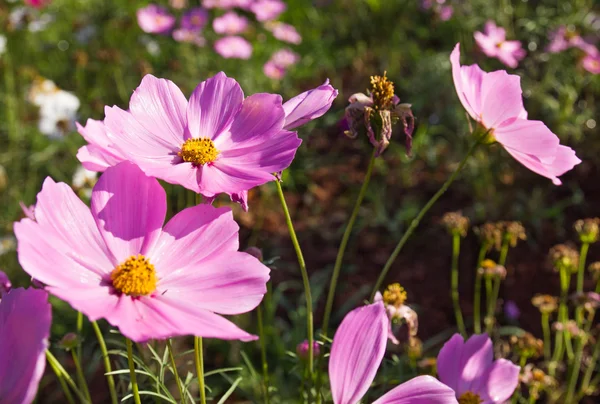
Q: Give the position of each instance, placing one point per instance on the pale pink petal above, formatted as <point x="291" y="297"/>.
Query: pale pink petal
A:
<point x="501" y="98"/>
<point x="486" y="44"/>
<point x="219" y="178"/>
<point x="356" y="353"/>
<point x="468" y="82"/>
<point x="213" y="106"/>
<point x="25" y="317"/>
<point x="96" y="302"/>
<point x="497" y="34"/>
<point x="419" y="390"/>
<point x="309" y="105"/>
<point x="129" y="208"/>
<point x="531" y="137"/>
<point x="564" y="161"/>
<point x="477" y="355"/>
<point x="498" y="383"/>
<point x="448" y="361"/>
<point x="100" y="153"/>
<point x="508" y="59"/>
<point x="160" y="107"/>
<point x="182" y="173"/>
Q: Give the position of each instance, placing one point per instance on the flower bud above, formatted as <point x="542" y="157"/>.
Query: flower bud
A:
<point x="564" y="258"/>
<point x="588" y="229"/>
<point x="490" y="269"/>
<point x="456" y="223"/>
<point x="309" y="105"/>
<point x="302" y="349"/>
<point x="69" y="341"/>
<point x="513" y="232"/>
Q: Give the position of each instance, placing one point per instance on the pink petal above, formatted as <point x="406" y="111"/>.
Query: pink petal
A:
<point x="213" y="106"/>
<point x="448" y="361"/>
<point x="357" y="351"/>
<point x="419" y="390"/>
<point x="129" y="208"/>
<point x="25" y="317"/>
<point x="486" y="44"/>
<point x="182" y="173"/>
<point x="468" y="82"/>
<point x="222" y="178"/>
<point x="160" y="107"/>
<point x="192" y="236"/>
<point x="309" y="105"/>
<point x="564" y="160"/>
<point x="477" y="356"/>
<point x="531" y="137"/>
<point x="100" y="153"/>
<point x="99" y="301"/>
<point x="499" y="382"/>
<point x="497" y="34"/>
<point x="501" y="98"/>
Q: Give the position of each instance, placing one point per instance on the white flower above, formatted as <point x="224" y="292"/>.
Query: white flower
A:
<point x="58" y="108"/>
<point x="2" y="44"/>
<point x="84" y="180"/>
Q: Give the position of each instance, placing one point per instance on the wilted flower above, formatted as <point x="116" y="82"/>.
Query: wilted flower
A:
<point x="591" y="62"/>
<point x="490" y="269"/>
<point x="570" y="326"/>
<point x="587" y="229"/>
<point x="194" y="19"/>
<point x="284" y="32"/>
<point x="590" y="301"/>
<point x="377" y="111"/>
<point x="494" y="44"/>
<point x="456" y="223"/>
<point x="230" y="23"/>
<point x="233" y="47"/>
<point x="398" y="312"/>
<point x="564" y="258"/>
<point x="546" y="304"/>
<point x="302" y="349"/>
<point x="527" y="345"/>
<point x="490" y="235"/>
<point x="267" y="10"/>
<point x="5" y="284"/>
<point x="494" y="100"/>
<point x="155" y="19"/>
<point x="513" y="232"/>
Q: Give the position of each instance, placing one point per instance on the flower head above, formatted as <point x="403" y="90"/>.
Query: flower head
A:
<point x="230" y="23"/>
<point x="155" y="19"/>
<point x="267" y="10"/>
<point x="284" y="32"/>
<point x="546" y="304"/>
<point x="398" y="312"/>
<point x="194" y="19"/>
<point x="591" y="63"/>
<point x="117" y="261"/>
<point x="233" y="47"/>
<point x="25" y="317"/>
<point x="588" y="229"/>
<point x="564" y="258"/>
<point x="470" y="370"/>
<point x="190" y="36"/>
<point x="494" y="101"/>
<point x="456" y="223"/>
<point x="492" y="41"/>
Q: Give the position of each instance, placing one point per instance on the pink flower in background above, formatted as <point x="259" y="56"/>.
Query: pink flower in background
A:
<point x="267" y="10"/>
<point x="190" y="36"/>
<point x="284" y="32"/>
<point x="591" y="63"/>
<point x="25" y="317"/>
<point x="494" y="44"/>
<point x="38" y="3"/>
<point x="273" y="70"/>
<point x="446" y="12"/>
<point x="116" y="261"/>
<point x="562" y="39"/>
<point x="100" y="152"/>
<point x="155" y="19"/>
<point x="357" y="351"/>
<point x="309" y="105"/>
<point x="194" y="19"/>
<point x="285" y="57"/>
<point x="494" y="100"/>
<point x="233" y="47"/>
<point x="218" y="142"/>
<point x="178" y="4"/>
<point x="227" y="4"/>
<point x="470" y="370"/>
<point x="230" y="23"/>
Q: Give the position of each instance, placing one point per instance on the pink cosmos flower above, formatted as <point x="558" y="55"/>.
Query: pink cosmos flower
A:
<point x="218" y="142"/>
<point x="285" y="57"/>
<point x="100" y="152"/>
<point x="194" y="19"/>
<point x="25" y="317"/>
<point x="591" y="63"/>
<point x="446" y="12"/>
<point x="38" y="3"/>
<point x="155" y="19"/>
<point x="309" y="105"/>
<point x="189" y="36"/>
<point x="273" y="70"/>
<point x="233" y="47"/>
<point x="227" y="4"/>
<point x="284" y="32"/>
<point x="357" y="351"/>
<point x="494" y="101"/>
<point x="562" y="39"/>
<point x="5" y="284"/>
<point x="230" y="23"/>
<point x="470" y="370"/>
<point x="494" y="44"/>
<point x="116" y="261"/>
<point x="267" y="10"/>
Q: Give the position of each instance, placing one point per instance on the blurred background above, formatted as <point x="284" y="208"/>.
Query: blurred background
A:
<point x="94" y="53"/>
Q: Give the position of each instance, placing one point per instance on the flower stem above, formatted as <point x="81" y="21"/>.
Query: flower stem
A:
<point x="55" y="364"/>
<point x="546" y="332"/>
<point x="263" y="354"/>
<point x="340" y="255"/>
<point x="175" y="373"/>
<point x="587" y="377"/>
<point x="110" y="379"/>
<point x="63" y="383"/>
<point x="477" y="294"/>
<point x="305" y="280"/>
<point x="200" y="368"/>
<point x="575" y="370"/>
<point x="134" y="385"/>
<point x="80" y="376"/>
<point x="415" y="222"/>
<point x="454" y="284"/>
<point x="581" y="270"/>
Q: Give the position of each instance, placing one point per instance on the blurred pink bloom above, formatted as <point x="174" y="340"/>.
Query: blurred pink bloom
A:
<point x="357" y="351"/>
<point x="25" y="317"/>
<point x="178" y="4"/>
<point x="591" y="63"/>
<point x="155" y="19"/>
<point x="218" y="142"/>
<point x="562" y="39"/>
<point x="309" y="105"/>
<point x="38" y="3"/>
<point x="470" y="370"/>
<point x="284" y="32"/>
<point x="285" y="57"/>
<point x="302" y="349"/>
<point x="494" y="44"/>
<point x="230" y="23"/>
<point x="190" y="36"/>
<point x="446" y="12"/>
<point x="227" y="4"/>
<point x="194" y="19"/>
<point x="233" y="47"/>
<point x="116" y="261"/>
<point x="273" y="70"/>
<point x="494" y="100"/>
<point x="100" y="152"/>
<point x="5" y="284"/>
<point x="267" y="10"/>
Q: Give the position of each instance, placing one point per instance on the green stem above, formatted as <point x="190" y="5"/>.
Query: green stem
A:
<point x="587" y="377"/>
<point x="110" y="379"/>
<point x="305" y="280"/>
<point x="263" y="353"/>
<point x="415" y="222"/>
<point x="477" y="294"/>
<point x="175" y="373"/>
<point x="56" y="365"/>
<point x="581" y="270"/>
<point x="200" y="368"/>
<point x="503" y="252"/>
<point x="491" y="310"/>
<point x="546" y="332"/>
<point x="340" y="255"/>
<point x="575" y="370"/>
<point x="134" y="385"/>
<point x="454" y="284"/>
<point x="80" y="376"/>
<point x="63" y="383"/>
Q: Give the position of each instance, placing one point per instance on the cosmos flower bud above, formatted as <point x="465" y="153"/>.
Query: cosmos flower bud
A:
<point x="588" y="229"/>
<point x="302" y="349"/>
<point x="564" y="258"/>
<point x="69" y="341"/>
<point x="456" y="223"/>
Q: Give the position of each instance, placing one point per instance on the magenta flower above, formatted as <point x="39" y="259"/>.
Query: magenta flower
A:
<point x="227" y="4"/>
<point x="117" y="261"/>
<point x="100" y="152"/>
<point x="25" y="317"/>
<point x="267" y="10"/>
<point x="194" y="19"/>
<point x="357" y="351"/>
<point x="446" y="12"/>
<point x="470" y="370"/>
<point x="190" y="36"/>
<point x="38" y="3"/>
<point x="233" y="47"/>
<point x="284" y="32"/>
<point x="494" y="101"/>
<point x="155" y="19"/>
<point x="562" y="39"/>
<point x="309" y="105"/>
<point x="591" y="63"/>
<point x="494" y="44"/>
<point x="230" y="23"/>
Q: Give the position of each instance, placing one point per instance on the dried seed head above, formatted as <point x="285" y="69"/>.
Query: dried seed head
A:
<point x="546" y="304"/>
<point x="564" y="258"/>
<point x="527" y="345"/>
<point x="490" y="235"/>
<point x="513" y="232"/>
<point x="456" y="223"/>
<point x="588" y="229"/>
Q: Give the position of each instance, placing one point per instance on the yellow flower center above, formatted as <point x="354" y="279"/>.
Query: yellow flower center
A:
<point x="488" y="264"/>
<point x="198" y="151"/>
<point x="394" y="295"/>
<point x="135" y="277"/>
<point x="382" y="91"/>
<point x="470" y="398"/>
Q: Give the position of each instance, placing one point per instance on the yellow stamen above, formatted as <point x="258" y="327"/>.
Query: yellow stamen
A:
<point x="488" y="264"/>
<point x="135" y="277"/>
<point x="199" y="151"/>
<point x="382" y="91"/>
<point x="394" y="295"/>
<point x="470" y="398"/>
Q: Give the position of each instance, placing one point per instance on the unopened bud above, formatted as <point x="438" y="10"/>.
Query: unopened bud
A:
<point x="302" y="349"/>
<point x="69" y="341"/>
